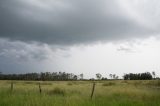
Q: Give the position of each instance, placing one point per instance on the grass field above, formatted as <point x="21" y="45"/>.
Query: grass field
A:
<point x="77" y="93"/>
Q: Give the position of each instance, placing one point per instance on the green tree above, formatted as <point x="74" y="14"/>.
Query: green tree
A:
<point x="110" y="75"/>
<point x="81" y="76"/>
<point x="99" y="76"/>
<point x="154" y="74"/>
<point x="114" y="76"/>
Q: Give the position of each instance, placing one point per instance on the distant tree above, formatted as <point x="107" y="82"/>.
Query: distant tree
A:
<point x="75" y="77"/>
<point x="110" y="75"/>
<point x="114" y="76"/>
<point x="99" y="76"/>
<point x="92" y="79"/>
<point x="81" y="76"/>
<point x="146" y="76"/>
<point x="154" y="74"/>
<point x="126" y="77"/>
<point x="103" y="78"/>
<point x="139" y="76"/>
<point x="45" y="76"/>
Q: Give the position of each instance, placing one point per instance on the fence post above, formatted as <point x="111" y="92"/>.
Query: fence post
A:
<point x="40" y="90"/>
<point x="11" y="86"/>
<point x="93" y="88"/>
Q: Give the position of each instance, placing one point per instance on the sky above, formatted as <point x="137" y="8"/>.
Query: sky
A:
<point x="80" y="36"/>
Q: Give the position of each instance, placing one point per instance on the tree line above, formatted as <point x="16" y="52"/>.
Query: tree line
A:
<point x="138" y="76"/>
<point x="44" y="76"/>
<point x="63" y="76"/>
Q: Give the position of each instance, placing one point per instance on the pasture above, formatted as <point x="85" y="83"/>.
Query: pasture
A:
<point x="77" y="93"/>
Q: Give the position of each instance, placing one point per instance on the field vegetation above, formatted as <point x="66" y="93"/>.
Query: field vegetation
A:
<point x="77" y="93"/>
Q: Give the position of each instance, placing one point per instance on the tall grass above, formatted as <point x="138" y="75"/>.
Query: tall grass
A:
<point x="60" y="93"/>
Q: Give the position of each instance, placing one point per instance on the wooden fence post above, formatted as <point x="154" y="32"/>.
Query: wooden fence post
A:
<point x="11" y="86"/>
<point x="93" y="88"/>
<point x="40" y="90"/>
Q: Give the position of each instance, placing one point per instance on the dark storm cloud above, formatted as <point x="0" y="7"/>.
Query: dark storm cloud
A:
<point x="66" y="21"/>
<point x="22" y="51"/>
<point x="21" y="57"/>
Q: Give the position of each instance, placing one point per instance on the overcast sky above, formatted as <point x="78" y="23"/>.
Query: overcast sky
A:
<point x="80" y="36"/>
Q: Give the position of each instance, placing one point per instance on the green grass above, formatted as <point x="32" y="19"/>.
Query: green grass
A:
<point x="77" y="93"/>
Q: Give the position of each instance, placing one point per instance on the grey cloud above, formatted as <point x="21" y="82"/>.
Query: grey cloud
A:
<point x="20" y="57"/>
<point x="22" y="51"/>
<point x="130" y="46"/>
<point x="66" y="21"/>
<point x="126" y="49"/>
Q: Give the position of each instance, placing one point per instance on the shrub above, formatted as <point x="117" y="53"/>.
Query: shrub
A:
<point x="109" y="84"/>
<point x="46" y="83"/>
<point x="57" y="91"/>
<point x="153" y="83"/>
<point x="125" y="81"/>
<point x="137" y="83"/>
<point x="69" y="83"/>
